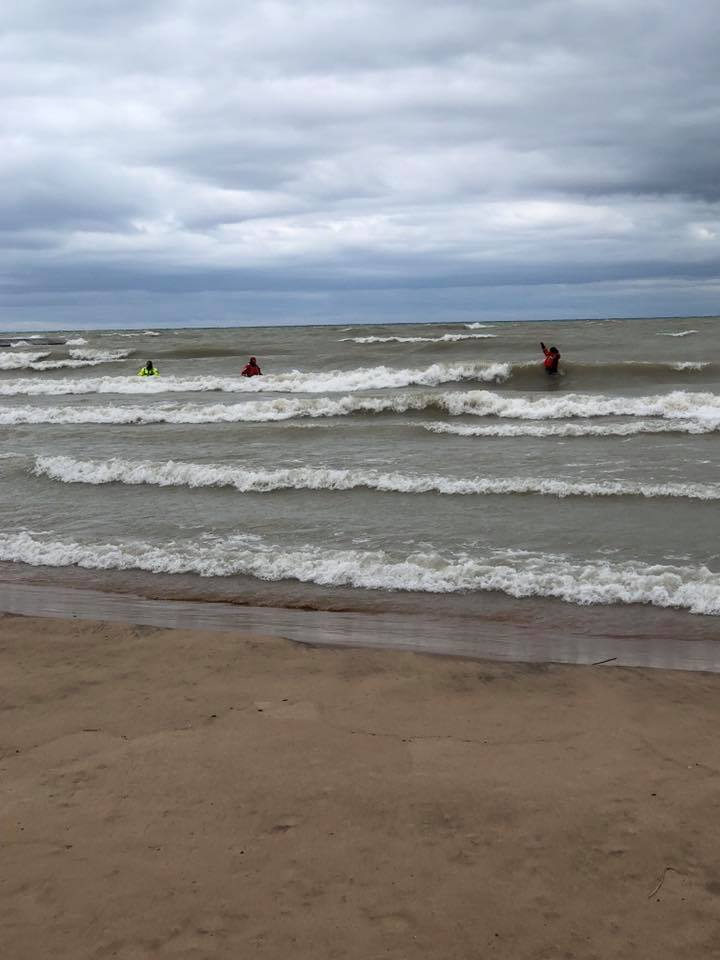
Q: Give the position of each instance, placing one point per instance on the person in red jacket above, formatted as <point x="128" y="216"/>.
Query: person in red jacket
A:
<point x="251" y="369"/>
<point x="552" y="358"/>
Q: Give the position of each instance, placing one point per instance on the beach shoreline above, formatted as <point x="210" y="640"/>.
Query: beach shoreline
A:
<point x="207" y="793"/>
<point x="506" y="630"/>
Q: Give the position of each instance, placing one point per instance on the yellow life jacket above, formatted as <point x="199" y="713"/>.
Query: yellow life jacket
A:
<point x="144" y="372"/>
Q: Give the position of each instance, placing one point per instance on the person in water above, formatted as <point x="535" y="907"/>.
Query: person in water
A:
<point x="251" y="369"/>
<point x="149" y="370"/>
<point x="552" y="358"/>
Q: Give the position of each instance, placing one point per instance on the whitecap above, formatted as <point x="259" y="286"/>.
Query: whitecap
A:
<point x="560" y="430"/>
<point x="293" y="381"/>
<point x="446" y="338"/>
<point x="701" y="408"/>
<point x="100" y="356"/>
<point x="22" y="360"/>
<point x="265" y="480"/>
<point x="517" y="573"/>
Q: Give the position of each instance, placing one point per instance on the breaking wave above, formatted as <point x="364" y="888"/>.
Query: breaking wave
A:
<point x="682" y="333"/>
<point x="519" y="574"/>
<point x="21" y="360"/>
<point x="476" y="326"/>
<point x="37" y="361"/>
<point x="627" y="429"/>
<point x="295" y="381"/>
<point x="446" y="338"/>
<point x="76" y="342"/>
<point x="99" y="356"/>
<point x="177" y="474"/>
<point x="524" y="375"/>
<point x="702" y="408"/>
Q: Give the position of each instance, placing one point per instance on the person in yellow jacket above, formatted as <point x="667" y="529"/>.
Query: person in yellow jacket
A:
<point x="149" y="370"/>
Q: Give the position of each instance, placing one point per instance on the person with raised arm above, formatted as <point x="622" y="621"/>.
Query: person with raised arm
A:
<point x="552" y="358"/>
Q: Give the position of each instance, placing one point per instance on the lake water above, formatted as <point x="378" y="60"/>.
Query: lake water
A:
<point x="371" y="467"/>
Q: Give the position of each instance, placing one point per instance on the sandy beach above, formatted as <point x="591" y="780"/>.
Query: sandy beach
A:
<point x="194" y="794"/>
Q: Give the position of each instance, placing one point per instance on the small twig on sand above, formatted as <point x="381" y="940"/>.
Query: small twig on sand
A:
<point x="598" y="662"/>
<point x="660" y="882"/>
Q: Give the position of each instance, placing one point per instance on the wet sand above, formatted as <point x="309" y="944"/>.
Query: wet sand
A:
<point x="204" y="793"/>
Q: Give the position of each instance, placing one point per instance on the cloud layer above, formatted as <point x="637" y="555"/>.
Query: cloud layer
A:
<point x="217" y="159"/>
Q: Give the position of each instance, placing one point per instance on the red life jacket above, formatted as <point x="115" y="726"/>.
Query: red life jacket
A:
<point x="251" y="370"/>
<point x="551" y="360"/>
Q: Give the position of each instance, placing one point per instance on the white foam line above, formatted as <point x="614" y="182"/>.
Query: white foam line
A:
<point x="22" y="360"/>
<point x="560" y="430"/>
<point x="593" y="581"/>
<point x="101" y="356"/>
<point x="446" y="338"/>
<point x="36" y="361"/>
<point x="177" y="474"/>
<point x="294" y="381"/>
<point x="701" y="408"/>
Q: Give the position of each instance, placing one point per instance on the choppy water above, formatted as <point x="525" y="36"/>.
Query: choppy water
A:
<point x="434" y="459"/>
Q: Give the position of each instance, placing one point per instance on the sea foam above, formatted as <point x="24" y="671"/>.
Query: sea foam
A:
<point x="264" y="480"/>
<point x="101" y="356"/>
<point x="701" y="408"/>
<point x="21" y="360"/>
<point x="446" y="338"/>
<point x="294" y="381"/>
<point x="36" y="361"/>
<point x="560" y="430"/>
<point x="519" y="574"/>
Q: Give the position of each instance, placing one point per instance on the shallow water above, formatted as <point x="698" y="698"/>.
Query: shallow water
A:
<point x="374" y="462"/>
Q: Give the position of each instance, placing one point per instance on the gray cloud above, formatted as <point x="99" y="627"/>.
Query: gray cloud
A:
<point x="218" y="147"/>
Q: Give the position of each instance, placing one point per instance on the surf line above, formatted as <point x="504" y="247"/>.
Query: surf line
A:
<point x="263" y="480"/>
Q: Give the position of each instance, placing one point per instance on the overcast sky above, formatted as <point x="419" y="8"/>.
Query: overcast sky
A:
<point x="220" y="161"/>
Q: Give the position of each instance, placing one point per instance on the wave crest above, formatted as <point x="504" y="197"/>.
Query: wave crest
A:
<point x="260" y="480"/>
<point x="37" y="361"/>
<point x="633" y="428"/>
<point x="445" y="338"/>
<point x="22" y="360"/>
<point x="100" y="356"/>
<point x="594" y="581"/>
<point x="701" y="408"/>
<point x="295" y="381"/>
